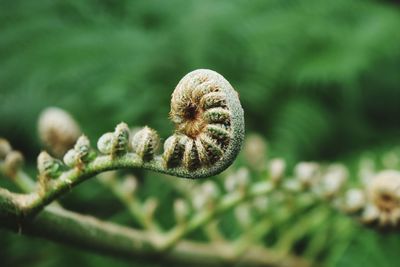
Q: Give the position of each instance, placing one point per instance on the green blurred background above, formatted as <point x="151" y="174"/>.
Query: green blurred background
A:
<point x="318" y="79"/>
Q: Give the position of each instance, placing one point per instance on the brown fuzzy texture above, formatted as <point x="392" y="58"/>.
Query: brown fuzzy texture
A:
<point x="384" y="191"/>
<point x="200" y="112"/>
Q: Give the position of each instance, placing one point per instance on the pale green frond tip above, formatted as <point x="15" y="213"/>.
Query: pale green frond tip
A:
<point x="209" y="122"/>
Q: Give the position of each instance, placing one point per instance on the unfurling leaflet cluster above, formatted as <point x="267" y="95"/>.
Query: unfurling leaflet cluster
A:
<point x="115" y="143"/>
<point x="48" y="168"/>
<point x="145" y="143"/>
<point x="206" y="112"/>
<point x="80" y="154"/>
<point x="209" y="132"/>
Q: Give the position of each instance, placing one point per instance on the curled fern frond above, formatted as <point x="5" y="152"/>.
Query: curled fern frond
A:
<point x="209" y="125"/>
<point x="209" y="131"/>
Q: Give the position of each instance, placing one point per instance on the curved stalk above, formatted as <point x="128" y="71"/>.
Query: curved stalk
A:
<point x="90" y="233"/>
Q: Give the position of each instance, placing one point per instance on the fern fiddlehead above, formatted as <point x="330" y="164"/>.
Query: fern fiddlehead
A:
<point x="209" y="133"/>
<point x="209" y="130"/>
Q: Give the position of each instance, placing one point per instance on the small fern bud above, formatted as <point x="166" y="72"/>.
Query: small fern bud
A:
<point x="384" y="190"/>
<point x="71" y="158"/>
<point x="83" y="150"/>
<point x="332" y="181"/>
<point x="181" y="210"/>
<point x="47" y="165"/>
<point x="132" y="132"/>
<point x="80" y="154"/>
<point x="13" y="163"/>
<point x="384" y="194"/>
<point x="5" y="148"/>
<point x="82" y="146"/>
<point x="116" y="143"/>
<point x="57" y="130"/>
<point x="121" y="139"/>
<point x="145" y="143"/>
<point x="105" y="143"/>
<point x="354" y="200"/>
<point x="306" y="172"/>
<point x="276" y="169"/>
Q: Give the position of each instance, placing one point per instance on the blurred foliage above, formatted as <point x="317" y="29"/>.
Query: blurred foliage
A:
<point x="319" y="79"/>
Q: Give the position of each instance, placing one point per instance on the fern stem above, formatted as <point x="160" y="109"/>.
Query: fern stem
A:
<point x="88" y="232"/>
